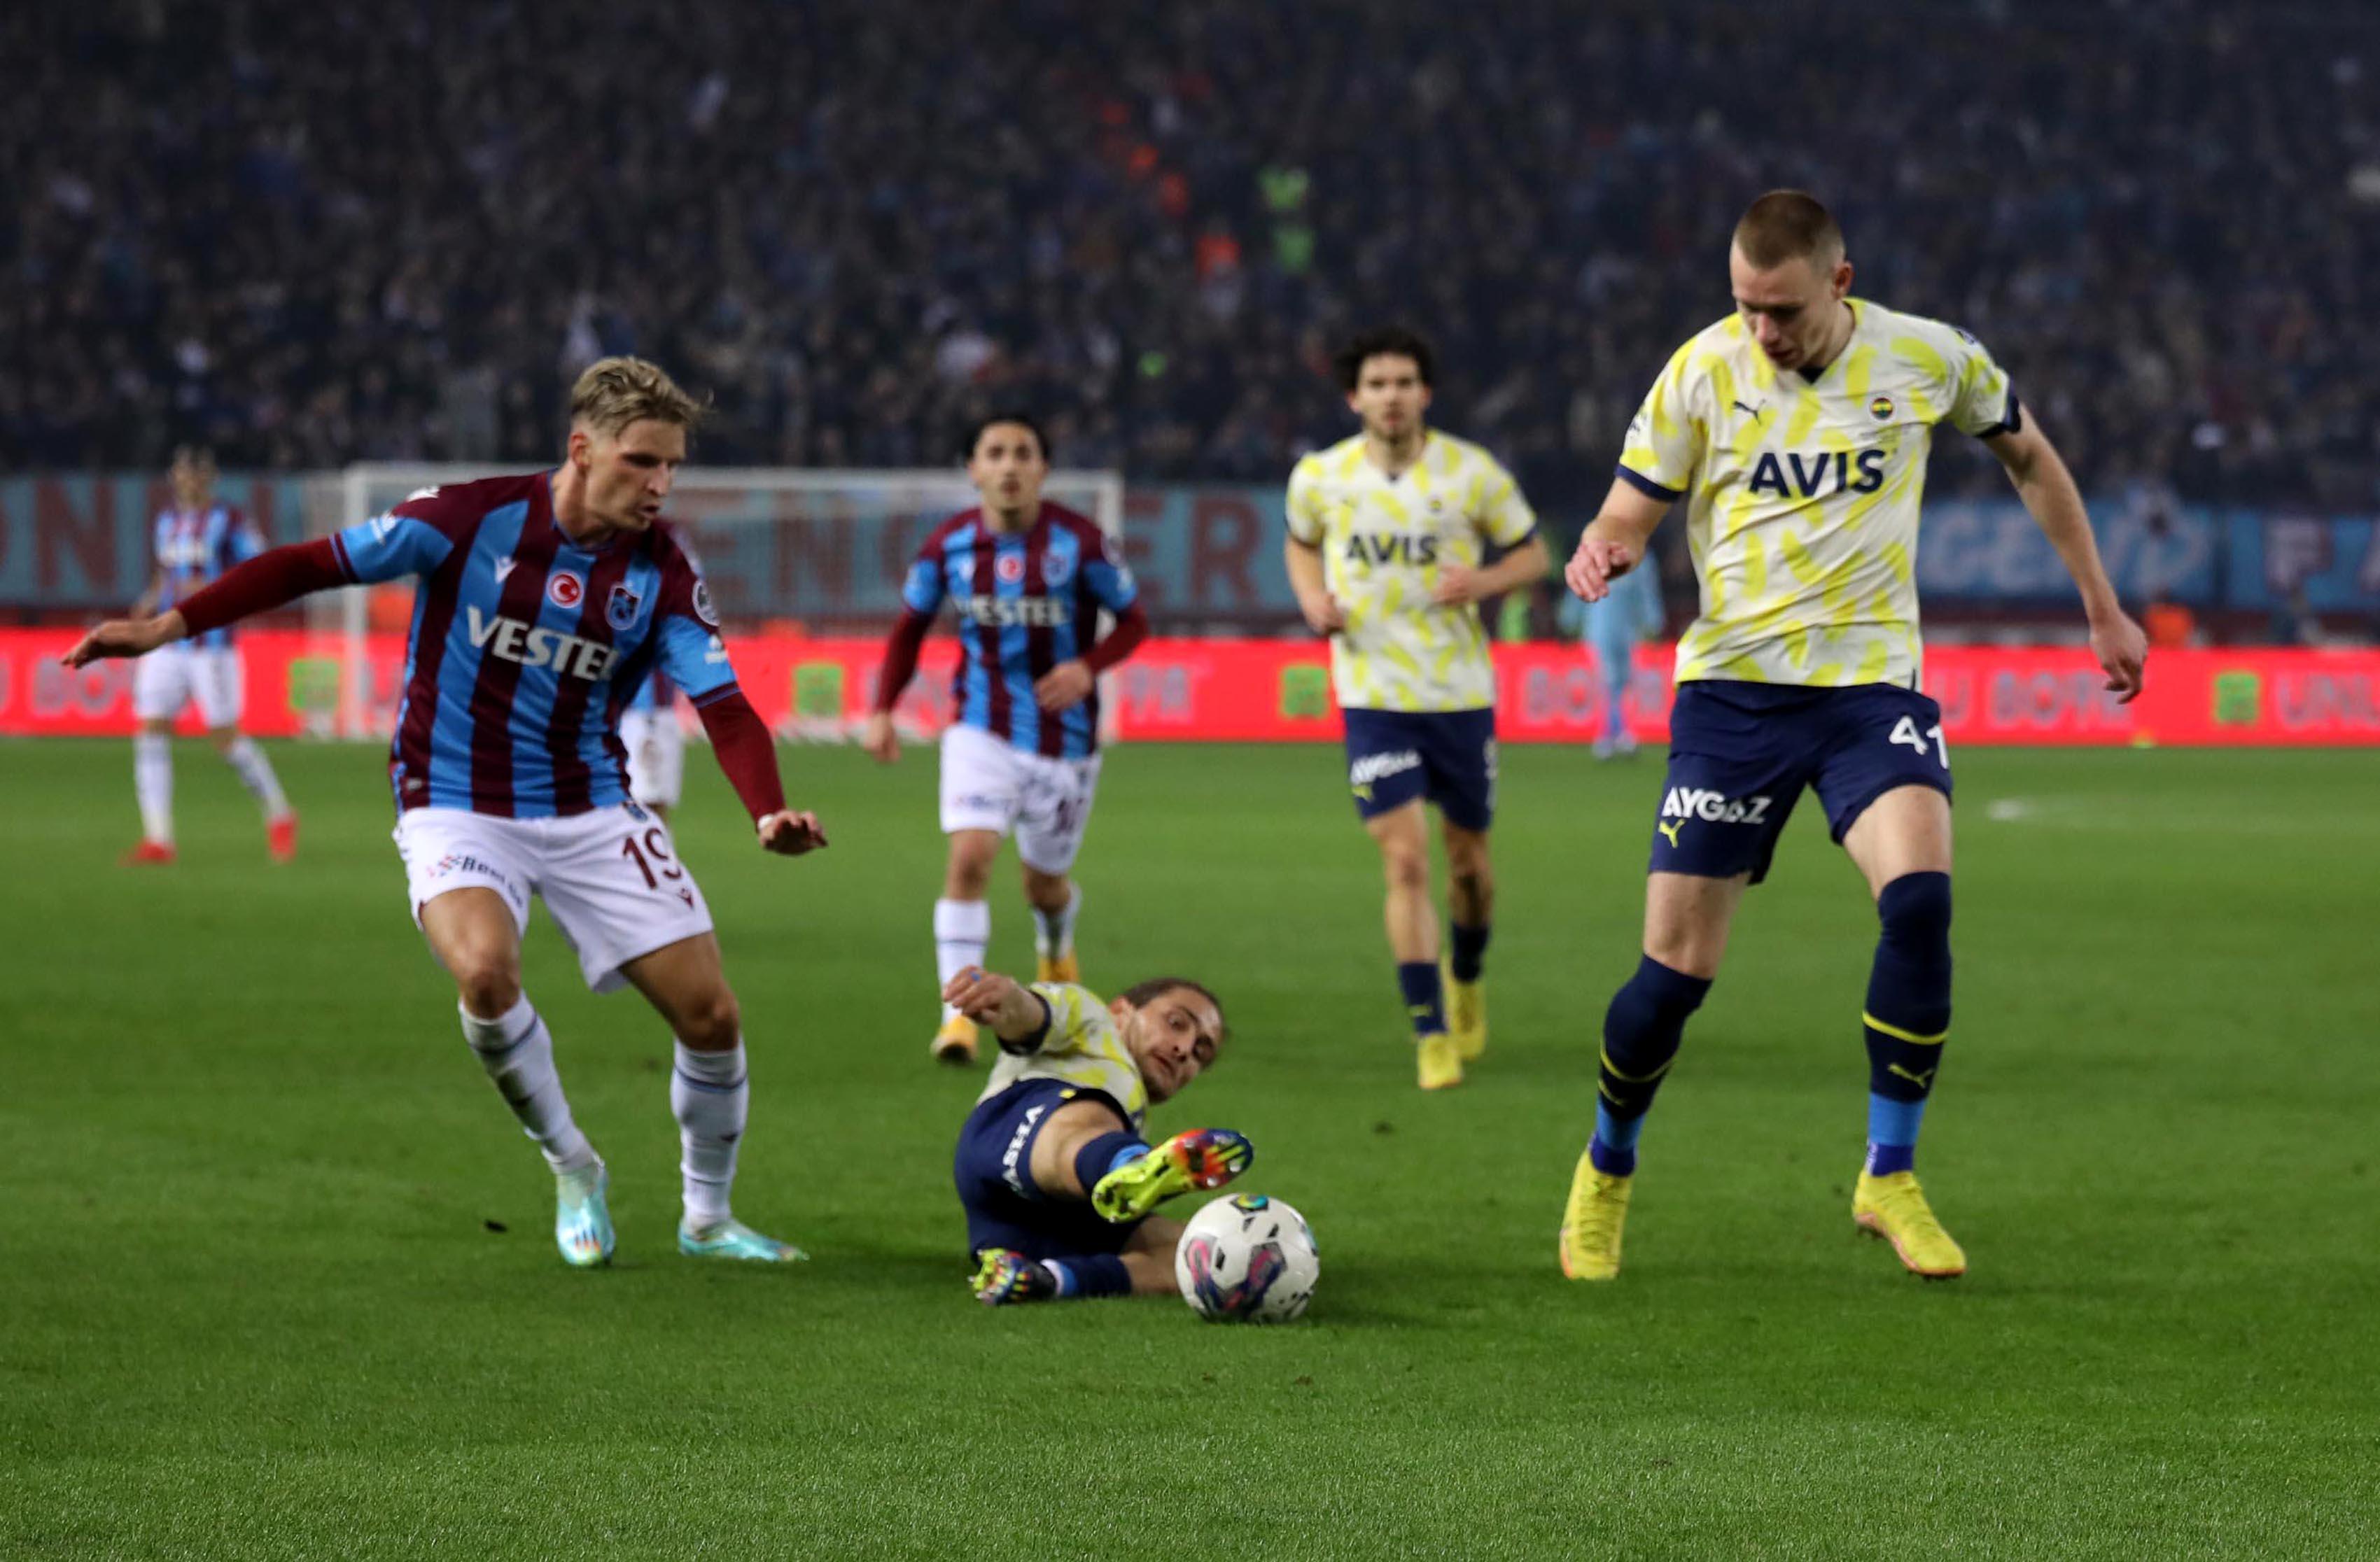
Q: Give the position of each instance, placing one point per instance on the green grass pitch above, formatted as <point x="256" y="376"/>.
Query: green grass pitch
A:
<point x="276" y="1277"/>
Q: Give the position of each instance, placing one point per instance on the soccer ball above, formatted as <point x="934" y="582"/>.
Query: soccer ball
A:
<point x="1247" y="1259"/>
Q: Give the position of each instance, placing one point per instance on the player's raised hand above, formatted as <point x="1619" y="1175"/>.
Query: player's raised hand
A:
<point x="877" y="738"/>
<point x="2123" y="653"/>
<point x="790" y="834"/>
<point x="1597" y="562"/>
<point x="1067" y="684"/>
<point x="124" y="637"/>
<point x="1322" y="613"/>
<point x="1011" y="1010"/>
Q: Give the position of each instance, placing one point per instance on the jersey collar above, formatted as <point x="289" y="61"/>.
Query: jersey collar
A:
<point x="1859" y="321"/>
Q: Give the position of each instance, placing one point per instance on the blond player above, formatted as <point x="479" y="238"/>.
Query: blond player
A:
<point x="1388" y="530"/>
<point x="1796" y="431"/>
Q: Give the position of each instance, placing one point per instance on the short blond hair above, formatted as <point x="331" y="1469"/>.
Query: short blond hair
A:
<point x="1789" y="225"/>
<point x="615" y="391"/>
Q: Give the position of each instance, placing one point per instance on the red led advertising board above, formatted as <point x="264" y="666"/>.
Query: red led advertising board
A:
<point x="1271" y="691"/>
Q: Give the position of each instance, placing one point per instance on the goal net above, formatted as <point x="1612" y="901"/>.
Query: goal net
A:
<point x="786" y="551"/>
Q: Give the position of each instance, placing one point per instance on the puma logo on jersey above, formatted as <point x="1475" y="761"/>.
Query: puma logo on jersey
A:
<point x="1810" y="478"/>
<point x="568" y="655"/>
<point x="1671" y="831"/>
<point x="1757" y="412"/>
<point x="1704" y="803"/>
<point x="1410" y="549"/>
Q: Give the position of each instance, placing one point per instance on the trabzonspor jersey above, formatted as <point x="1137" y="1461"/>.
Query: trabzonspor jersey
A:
<point x="195" y="546"/>
<point x="1384" y="540"/>
<point x="1026" y="601"/>
<point x="1084" y="1048"/>
<point x="1801" y="495"/>
<point x="656" y="693"/>
<point x="525" y="647"/>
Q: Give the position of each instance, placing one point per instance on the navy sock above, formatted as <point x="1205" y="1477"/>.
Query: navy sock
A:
<point x="1907" y="1015"/>
<point x="1097" y="1274"/>
<point x="1417" y="979"/>
<point x="1892" y="1135"/>
<point x="1642" y="1031"/>
<point x="1613" y="1148"/>
<point x="1103" y="1154"/>
<point x="1469" y="951"/>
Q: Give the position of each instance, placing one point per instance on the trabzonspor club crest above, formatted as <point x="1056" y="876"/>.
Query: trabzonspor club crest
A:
<point x="620" y="610"/>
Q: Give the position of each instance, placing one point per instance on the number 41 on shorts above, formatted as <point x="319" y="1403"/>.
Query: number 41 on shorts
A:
<point x="1905" y="730"/>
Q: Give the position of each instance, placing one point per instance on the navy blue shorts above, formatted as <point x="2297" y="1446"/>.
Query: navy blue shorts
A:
<point x="1448" y="757"/>
<point x="994" y="1172"/>
<point x="1739" y="755"/>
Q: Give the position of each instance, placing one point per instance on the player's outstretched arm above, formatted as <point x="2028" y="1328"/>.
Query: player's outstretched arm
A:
<point x="1613" y="543"/>
<point x="126" y="638"/>
<point x="1015" y="1011"/>
<point x="2056" y="506"/>
<point x="272" y="578"/>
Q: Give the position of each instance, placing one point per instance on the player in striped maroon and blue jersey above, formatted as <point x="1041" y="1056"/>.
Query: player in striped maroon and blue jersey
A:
<point x="194" y="542"/>
<point x="544" y="601"/>
<point x="1025" y="580"/>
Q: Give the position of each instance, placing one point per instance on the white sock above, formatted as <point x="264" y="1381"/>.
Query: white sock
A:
<point x="962" y="932"/>
<point x="256" y="774"/>
<point x="517" y="1052"/>
<point x="152" y="783"/>
<point x="711" y="1095"/>
<point x="1054" y="931"/>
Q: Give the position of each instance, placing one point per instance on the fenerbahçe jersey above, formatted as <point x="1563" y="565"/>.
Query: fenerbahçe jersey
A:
<point x="525" y="647"/>
<point x="1383" y="542"/>
<point x="1084" y="1048"/>
<point x="1801" y="495"/>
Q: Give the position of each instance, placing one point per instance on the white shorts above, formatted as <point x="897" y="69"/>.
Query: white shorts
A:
<point x="172" y="677"/>
<point x="989" y="784"/>
<point x="656" y="746"/>
<point x="610" y="877"/>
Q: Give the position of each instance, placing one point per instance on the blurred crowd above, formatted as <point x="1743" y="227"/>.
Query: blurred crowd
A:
<point x="319" y="232"/>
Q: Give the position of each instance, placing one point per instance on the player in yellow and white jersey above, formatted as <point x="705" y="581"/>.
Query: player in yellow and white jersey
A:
<point x="1057" y="1181"/>
<point x="1387" y="535"/>
<point x="1796" y="429"/>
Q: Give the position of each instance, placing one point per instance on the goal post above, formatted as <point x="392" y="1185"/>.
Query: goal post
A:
<point x="816" y="551"/>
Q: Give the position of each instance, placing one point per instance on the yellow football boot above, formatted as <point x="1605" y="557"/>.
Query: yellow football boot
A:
<point x="1592" y="1222"/>
<point x="1441" y="1061"/>
<point x="954" y="1044"/>
<point x="1894" y="1208"/>
<point x="1203" y="1157"/>
<point x="1466" y="1014"/>
<point x="1057" y="968"/>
